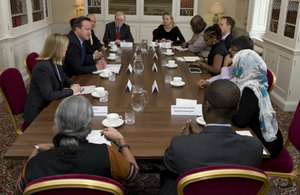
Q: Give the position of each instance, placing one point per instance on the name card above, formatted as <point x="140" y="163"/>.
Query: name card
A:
<point x="129" y="69"/>
<point x="184" y="110"/>
<point x="154" y="68"/>
<point x="155" y="87"/>
<point x="100" y="110"/>
<point x="126" y="44"/>
<point x="128" y="86"/>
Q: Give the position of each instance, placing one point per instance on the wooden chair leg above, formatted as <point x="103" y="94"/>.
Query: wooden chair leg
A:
<point x="9" y="163"/>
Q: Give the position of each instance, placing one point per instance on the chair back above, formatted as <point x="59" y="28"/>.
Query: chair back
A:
<point x="72" y="22"/>
<point x="223" y="179"/>
<point x="30" y="61"/>
<point x="14" y="93"/>
<point x="154" y="31"/>
<point x="271" y="80"/>
<point x="74" y="184"/>
<point x="294" y="130"/>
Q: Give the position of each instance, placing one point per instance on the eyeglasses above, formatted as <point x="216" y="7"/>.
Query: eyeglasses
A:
<point x="232" y="49"/>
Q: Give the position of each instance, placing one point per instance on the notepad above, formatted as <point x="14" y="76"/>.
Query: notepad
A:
<point x="190" y="58"/>
<point x="112" y="67"/>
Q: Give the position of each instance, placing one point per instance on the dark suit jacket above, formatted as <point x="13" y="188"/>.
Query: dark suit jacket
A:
<point x="213" y="146"/>
<point x="110" y="33"/>
<point x="45" y="87"/>
<point x="227" y="41"/>
<point x="73" y="57"/>
<point x="96" y="42"/>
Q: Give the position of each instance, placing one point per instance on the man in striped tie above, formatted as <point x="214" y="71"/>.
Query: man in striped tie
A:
<point x="117" y="31"/>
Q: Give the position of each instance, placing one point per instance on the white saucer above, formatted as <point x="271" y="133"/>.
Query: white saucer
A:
<point x="169" y="54"/>
<point x="200" y="120"/>
<point x="114" y="50"/>
<point x="174" y="66"/>
<point x="103" y="75"/>
<point x="177" y="85"/>
<point x="95" y="94"/>
<point x="111" y="58"/>
<point x="118" y="124"/>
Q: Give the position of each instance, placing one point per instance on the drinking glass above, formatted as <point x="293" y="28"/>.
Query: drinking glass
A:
<point x="112" y="76"/>
<point x="138" y="66"/>
<point x="129" y="116"/>
<point x="144" y="45"/>
<point x="164" y="63"/>
<point x="103" y="96"/>
<point x="168" y="78"/>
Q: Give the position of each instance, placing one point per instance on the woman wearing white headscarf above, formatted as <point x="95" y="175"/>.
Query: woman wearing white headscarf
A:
<point x="255" y="108"/>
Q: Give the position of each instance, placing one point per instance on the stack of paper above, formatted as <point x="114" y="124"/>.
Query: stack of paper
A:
<point x="190" y="58"/>
<point x="179" y="48"/>
<point x="112" y="67"/>
<point x="86" y="90"/>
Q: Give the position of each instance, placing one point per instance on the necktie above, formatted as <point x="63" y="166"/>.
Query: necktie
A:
<point x="118" y="36"/>
<point x="91" y="39"/>
<point x="57" y="72"/>
<point x="82" y="53"/>
<point x="221" y="39"/>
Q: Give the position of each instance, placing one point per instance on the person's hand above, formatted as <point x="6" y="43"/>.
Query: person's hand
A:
<point x="190" y="128"/>
<point x="203" y="84"/>
<point x="168" y="40"/>
<point x="98" y="54"/>
<point x="163" y="40"/>
<point x="118" y="42"/>
<point x="75" y="87"/>
<point x="183" y="45"/>
<point x="101" y="64"/>
<point x="102" y="42"/>
<point x="112" y="134"/>
<point x="197" y="62"/>
<point x="44" y="147"/>
<point x="227" y="61"/>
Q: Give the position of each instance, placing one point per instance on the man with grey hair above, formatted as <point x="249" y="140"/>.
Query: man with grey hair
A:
<point x="117" y="31"/>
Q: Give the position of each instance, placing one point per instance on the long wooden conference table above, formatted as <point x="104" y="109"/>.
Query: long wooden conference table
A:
<point x="154" y="127"/>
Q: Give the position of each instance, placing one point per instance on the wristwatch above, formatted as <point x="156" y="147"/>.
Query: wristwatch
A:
<point x="123" y="146"/>
<point x="38" y="148"/>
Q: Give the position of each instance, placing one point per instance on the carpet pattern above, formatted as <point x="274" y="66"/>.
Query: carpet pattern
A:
<point x="149" y="180"/>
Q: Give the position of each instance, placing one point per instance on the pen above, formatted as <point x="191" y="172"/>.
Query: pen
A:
<point x="81" y="90"/>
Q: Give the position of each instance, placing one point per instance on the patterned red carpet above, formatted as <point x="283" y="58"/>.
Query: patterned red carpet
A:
<point x="148" y="181"/>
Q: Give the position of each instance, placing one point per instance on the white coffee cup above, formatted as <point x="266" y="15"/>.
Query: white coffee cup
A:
<point x="112" y="43"/>
<point x="169" y="50"/>
<point x="99" y="90"/>
<point x="171" y="62"/>
<point x="112" y="55"/>
<point x="177" y="80"/>
<point x="106" y="72"/>
<point x="114" y="48"/>
<point x="113" y="118"/>
<point x="168" y="45"/>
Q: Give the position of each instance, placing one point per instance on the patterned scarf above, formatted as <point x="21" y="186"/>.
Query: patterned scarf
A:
<point x="250" y="71"/>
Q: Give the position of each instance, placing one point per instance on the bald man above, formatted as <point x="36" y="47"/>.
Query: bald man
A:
<point x="197" y="44"/>
<point x="94" y="43"/>
<point x="216" y="144"/>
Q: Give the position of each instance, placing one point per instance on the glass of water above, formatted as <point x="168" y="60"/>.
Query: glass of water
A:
<point x="138" y="66"/>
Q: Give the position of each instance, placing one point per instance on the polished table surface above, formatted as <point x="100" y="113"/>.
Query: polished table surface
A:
<point x="154" y="127"/>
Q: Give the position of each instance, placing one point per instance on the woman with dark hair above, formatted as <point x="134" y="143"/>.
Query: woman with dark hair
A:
<point x="168" y="31"/>
<point x="49" y="82"/>
<point x="218" y="51"/>
<point x="255" y="108"/>
<point x="71" y="153"/>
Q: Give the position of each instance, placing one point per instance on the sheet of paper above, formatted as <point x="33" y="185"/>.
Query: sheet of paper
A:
<point x="100" y="110"/>
<point x="96" y="138"/>
<point x="112" y="67"/>
<point x="126" y="44"/>
<point x="86" y="90"/>
<point x="248" y="133"/>
<point x="179" y="48"/>
<point x="180" y="59"/>
<point x="191" y="58"/>
<point x="184" y="110"/>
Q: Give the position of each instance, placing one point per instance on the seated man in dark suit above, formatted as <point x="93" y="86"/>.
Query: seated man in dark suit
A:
<point x="94" y="43"/>
<point x="227" y="24"/>
<point x="117" y="31"/>
<point x="216" y="144"/>
<point x="79" y="58"/>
